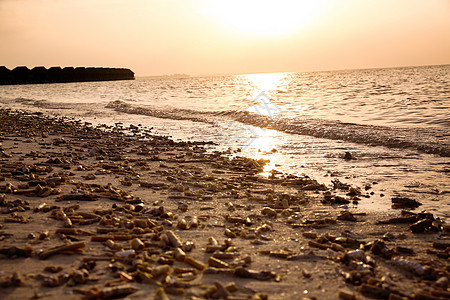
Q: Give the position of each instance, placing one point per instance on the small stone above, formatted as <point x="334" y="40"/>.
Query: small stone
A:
<point x="217" y="263"/>
<point x="182" y="224"/>
<point x="348" y="156"/>
<point x="137" y="244"/>
<point x="346" y="295"/>
<point x="346" y="216"/>
<point x="229" y="233"/>
<point x="221" y="291"/>
<point x="270" y="212"/>
<point x="442" y="282"/>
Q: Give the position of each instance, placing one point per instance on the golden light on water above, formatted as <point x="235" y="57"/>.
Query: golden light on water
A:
<point x="265" y="140"/>
<point x="264" y="82"/>
<point x="260" y="142"/>
<point x="265" y="145"/>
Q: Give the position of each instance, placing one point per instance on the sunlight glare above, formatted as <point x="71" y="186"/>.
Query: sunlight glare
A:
<point x="264" y="82"/>
<point x="261" y="147"/>
<point x="265" y="17"/>
<point x="259" y="142"/>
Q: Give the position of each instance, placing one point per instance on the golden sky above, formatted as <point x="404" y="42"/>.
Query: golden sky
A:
<point x="154" y="37"/>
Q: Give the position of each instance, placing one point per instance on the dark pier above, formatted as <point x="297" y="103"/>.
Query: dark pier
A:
<point x="23" y="75"/>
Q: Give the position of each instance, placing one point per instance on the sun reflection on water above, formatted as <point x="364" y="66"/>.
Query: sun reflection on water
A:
<point x="264" y="82"/>
<point x="262" y="144"/>
<point x="257" y="142"/>
<point x="265" y="141"/>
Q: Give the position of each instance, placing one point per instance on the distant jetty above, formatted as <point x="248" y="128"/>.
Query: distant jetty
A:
<point x="23" y="75"/>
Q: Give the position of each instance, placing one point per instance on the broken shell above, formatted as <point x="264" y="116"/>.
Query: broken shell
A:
<point x="178" y="270"/>
<point x="176" y="291"/>
<point x="161" y="270"/>
<point x="126" y="254"/>
<point x="442" y="282"/>
<point x="310" y="235"/>
<point x="194" y="263"/>
<point x="44" y="235"/>
<point x="188" y="276"/>
<point x="52" y="281"/>
<point x="441" y="245"/>
<point x="188" y="246"/>
<point x="375" y="291"/>
<point x="317" y="245"/>
<point x="179" y="254"/>
<point x="258" y="275"/>
<point x="378" y="247"/>
<point x="401" y="202"/>
<point x="182" y="224"/>
<point x="61" y="215"/>
<point x="346" y="216"/>
<point x="370" y="260"/>
<point x="212" y="241"/>
<point x="229" y="233"/>
<point x="270" y="212"/>
<point x="211" y="249"/>
<point x="264" y="228"/>
<point x="337" y="247"/>
<point x="53" y="269"/>
<point x="221" y="291"/>
<point x="126" y="277"/>
<point x="164" y="238"/>
<point x="425" y="225"/>
<point x="346" y="295"/>
<point x="217" y="263"/>
<point x="41" y="207"/>
<point x="183" y="207"/>
<point x="355" y="254"/>
<point x="149" y="236"/>
<point x="15" y="251"/>
<point x="231" y="287"/>
<point x="111" y="292"/>
<point x="408" y="265"/>
<point x="79" y="276"/>
<point x="140" y="223"/>
<point x="137" y="244"/>
<point x="360" y="266"/>
<point x="15" y="280"/>
<point x="174" y="239"/>
<point x="56" y="250"/>
<point x="194" y="222"/>
<point x="225" y="255"/>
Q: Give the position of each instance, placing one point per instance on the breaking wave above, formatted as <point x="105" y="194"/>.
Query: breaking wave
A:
<point x="426" y="140"/>
<point x="44" y="104"/>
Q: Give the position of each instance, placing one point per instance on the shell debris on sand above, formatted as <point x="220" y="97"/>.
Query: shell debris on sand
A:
<point x="116" y="211"/>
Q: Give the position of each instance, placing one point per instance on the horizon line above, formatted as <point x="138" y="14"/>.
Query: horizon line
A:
<point x="181" y="75"/>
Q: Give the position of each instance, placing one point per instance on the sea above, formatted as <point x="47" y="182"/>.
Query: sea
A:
<point x="394" y="123"/>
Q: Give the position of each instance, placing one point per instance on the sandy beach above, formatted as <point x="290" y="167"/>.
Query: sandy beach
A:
<point x="112" y="212"/>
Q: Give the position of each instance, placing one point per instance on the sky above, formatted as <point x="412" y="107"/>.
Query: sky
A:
<point x="199" y="37"/>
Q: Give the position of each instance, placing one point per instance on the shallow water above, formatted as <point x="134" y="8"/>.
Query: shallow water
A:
<point x="395" y="122"/>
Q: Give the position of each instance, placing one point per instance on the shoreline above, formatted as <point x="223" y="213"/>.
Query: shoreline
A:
<point x="132" y="207"/>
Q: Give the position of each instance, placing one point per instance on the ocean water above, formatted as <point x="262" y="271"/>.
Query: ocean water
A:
<point x="395" y="122"/>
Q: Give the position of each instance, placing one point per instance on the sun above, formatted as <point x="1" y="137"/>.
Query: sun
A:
<point x="265" y="17"/>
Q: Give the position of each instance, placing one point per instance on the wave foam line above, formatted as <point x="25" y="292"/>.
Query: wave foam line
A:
<point x="427" y="140"/>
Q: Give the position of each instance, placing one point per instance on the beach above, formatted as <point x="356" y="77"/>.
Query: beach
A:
<point x="96" y="212"/>
<point x="393" y="121"/>
<point x="239" y="150"/>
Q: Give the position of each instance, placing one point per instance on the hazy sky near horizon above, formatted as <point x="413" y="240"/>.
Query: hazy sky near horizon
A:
<point x="154" y="37"/>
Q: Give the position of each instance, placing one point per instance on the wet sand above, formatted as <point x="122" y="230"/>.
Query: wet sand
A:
<point x="96" y="213"/>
